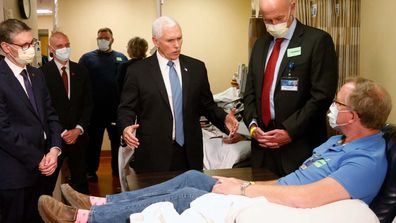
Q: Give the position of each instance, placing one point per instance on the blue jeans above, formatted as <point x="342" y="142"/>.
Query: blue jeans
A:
<point x="180" y="191"/>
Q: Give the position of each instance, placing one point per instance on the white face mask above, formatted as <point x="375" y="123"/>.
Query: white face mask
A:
<point x="278" y="30"/>
<point x="103" y="44"/>
<point x="63" y="54"/>
<point x="333" y="115"/>
<point x="25" y="56"/>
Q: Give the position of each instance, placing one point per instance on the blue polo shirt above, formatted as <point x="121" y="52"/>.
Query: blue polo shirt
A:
<point x="359" y="166"/>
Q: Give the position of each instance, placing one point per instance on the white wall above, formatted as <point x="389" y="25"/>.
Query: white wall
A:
<point x="11" y="11"/>
<point x="378" y="45"/>
<point x="215" y="31"/>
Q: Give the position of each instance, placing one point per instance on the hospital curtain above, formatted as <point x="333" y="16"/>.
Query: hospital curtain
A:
<point x="340" y="18"/>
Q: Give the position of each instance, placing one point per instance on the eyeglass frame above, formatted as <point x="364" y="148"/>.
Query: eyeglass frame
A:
<point x="340" y="103"/>
<point x="26" y="46"/>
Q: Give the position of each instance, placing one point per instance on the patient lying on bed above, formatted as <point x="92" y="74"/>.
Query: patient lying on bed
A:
<point x="348" y="166"/>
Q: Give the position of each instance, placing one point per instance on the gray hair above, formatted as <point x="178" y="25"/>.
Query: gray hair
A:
<point x="371" y="101"/>
<point x="11" y="27"/>
<point x="161" y="23"/>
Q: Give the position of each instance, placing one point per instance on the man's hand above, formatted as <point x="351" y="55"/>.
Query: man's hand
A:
<point x="233" y="139"/>
<point x="129" y="137"/>
<point x="231" y="122"/>
<point x="225" y="185"/>
<point x="272" y="139"/>
<point x="48" y="164"/>
<point x="70" y="136"/>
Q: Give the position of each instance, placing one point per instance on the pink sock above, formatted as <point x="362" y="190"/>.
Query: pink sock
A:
<point x="82" y="216"/>
<point x="97" y="200"/>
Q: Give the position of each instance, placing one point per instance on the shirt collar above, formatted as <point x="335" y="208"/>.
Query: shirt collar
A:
<point x="291" y="29"/>
<point x="59" y="65"/>
<point x="14" y="68"/>
<point x="164" y="62"/>
<point x="362" y="141"/>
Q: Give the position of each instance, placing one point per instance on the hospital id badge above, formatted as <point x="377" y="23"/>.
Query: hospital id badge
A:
<point x="289" y="84"/>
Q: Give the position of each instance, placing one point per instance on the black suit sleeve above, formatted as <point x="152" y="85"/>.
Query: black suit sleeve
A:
<point x="87" y="104"/>
<point x="55" y="127"/>
<point x="126" y="114"/>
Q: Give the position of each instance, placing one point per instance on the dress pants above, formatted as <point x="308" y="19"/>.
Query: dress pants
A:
<point x="19" y="205"/>
<point x="75" y="156"/>
<point x="179" y="158"/>
<point x="96" y="132"/>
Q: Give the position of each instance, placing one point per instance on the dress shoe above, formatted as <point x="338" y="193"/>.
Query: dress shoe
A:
<point x="74" y="198"/>
<point x="53" y="211"/>
<point x="92" y="177"/>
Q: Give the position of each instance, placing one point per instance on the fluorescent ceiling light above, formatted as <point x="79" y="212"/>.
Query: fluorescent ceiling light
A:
<point x="44" y="12"/>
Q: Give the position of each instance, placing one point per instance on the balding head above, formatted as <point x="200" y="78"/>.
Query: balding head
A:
<point x="277" y="11"/>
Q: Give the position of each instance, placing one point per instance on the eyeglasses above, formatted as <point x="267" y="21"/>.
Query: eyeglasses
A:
<point x="26" y="46"/>
<point x="340" y="103"/>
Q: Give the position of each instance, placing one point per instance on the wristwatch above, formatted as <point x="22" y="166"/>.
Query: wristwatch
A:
<point x="245" y="185"/>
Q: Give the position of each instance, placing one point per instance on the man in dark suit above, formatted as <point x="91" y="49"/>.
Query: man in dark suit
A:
<point x="291" y="82"/>
<point x="29" y="128"/>
<point x="70" y="90"/>
<point x="166" y="94"/>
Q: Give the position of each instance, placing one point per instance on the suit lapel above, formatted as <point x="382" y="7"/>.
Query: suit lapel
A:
<point x="294" y="42"/>
<point x="73" y="80"/>
<point x="156" y="76"/>
<point x="186" y="78"/>
<point x="263" y="59"/>
<point x="36" y="85"/>
<point x="16" y="86"/>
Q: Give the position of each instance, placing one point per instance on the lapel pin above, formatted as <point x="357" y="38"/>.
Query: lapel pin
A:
<point x="185" y="69"/>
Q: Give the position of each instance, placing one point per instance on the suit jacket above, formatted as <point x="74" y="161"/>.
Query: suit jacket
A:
<point x="302" y="113"/>
<point x="144" y="97"/>
<point x="22" y="143"/>
<point x="76" y="110"/>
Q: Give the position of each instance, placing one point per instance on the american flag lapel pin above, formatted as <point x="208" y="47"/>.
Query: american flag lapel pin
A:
<point x="185" y="69"/>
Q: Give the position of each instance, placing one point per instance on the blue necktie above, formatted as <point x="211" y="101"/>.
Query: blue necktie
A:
<point x="177" y="98"/>
<point x="29" y="89"/>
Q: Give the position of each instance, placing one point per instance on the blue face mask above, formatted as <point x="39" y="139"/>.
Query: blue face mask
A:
<point x="63" y="54"/>
<point x="103" y="44"/>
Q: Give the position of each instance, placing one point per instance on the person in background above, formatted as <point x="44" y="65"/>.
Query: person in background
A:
<point x="102" y="65"/>
<point x="30" y="141"/>
<point x="336" y="171"/>
<point x="166" y="94"/>
<point x="70" y="89"/>
<point x="291" y="81"/>
<point x="137" y="48"/>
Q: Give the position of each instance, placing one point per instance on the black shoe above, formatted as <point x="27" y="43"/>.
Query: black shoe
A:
<point x="115" y="174"/>
<point x="92" y="177"/>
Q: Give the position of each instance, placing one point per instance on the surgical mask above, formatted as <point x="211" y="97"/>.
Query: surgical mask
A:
<point x="333" y="115"/>
<point x="278" y="30"/>
<point x="103" y="44"/>
<point x="25" y="56"/>
<point x="63" y="54"/>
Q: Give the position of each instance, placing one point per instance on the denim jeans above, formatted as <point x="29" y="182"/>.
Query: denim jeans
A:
<point x="180" y="191"/>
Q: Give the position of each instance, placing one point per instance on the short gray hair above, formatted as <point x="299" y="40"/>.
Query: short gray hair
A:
<point x="371" y="101"/>
<point x="10" y="28"/>
<point x="161" y="23"/>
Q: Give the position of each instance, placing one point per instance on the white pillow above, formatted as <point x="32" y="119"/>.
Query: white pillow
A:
<point x="346" y="211"/>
